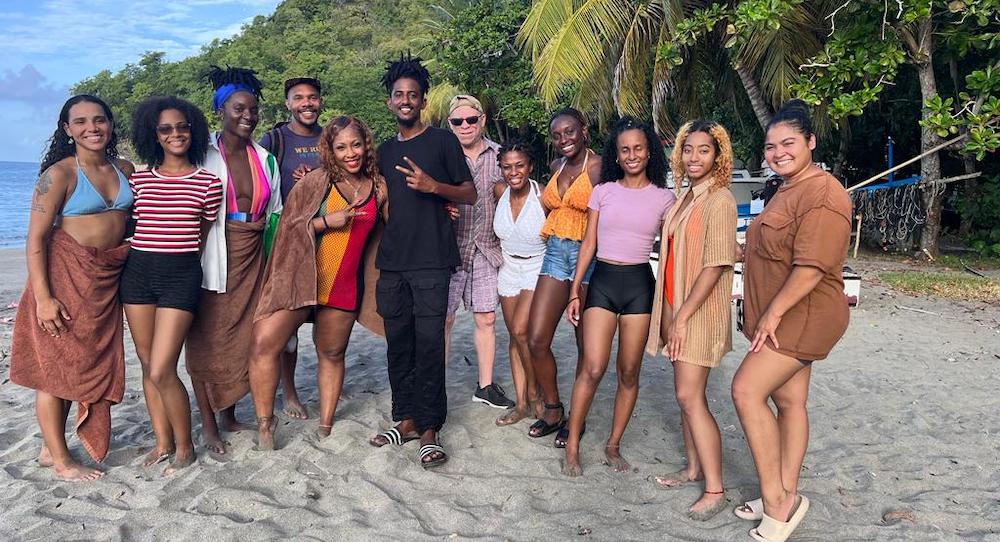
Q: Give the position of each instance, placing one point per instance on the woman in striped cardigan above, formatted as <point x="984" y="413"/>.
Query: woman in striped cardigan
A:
<point x="691" y="317"/>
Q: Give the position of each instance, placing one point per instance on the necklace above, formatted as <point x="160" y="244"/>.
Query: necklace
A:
<point x="356" y="187"/>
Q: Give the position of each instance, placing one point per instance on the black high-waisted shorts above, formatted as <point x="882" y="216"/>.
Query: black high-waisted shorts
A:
<point x="622" y="289"/>
<point x="167" y="280"/>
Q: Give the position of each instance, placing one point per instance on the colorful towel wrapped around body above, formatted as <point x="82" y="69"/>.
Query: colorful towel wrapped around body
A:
<point x="291" y="280"/>
<point x="86" y="363"/>
<point x="217" y="350"/>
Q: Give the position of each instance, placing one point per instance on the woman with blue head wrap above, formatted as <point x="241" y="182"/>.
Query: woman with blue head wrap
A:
<point x="217" y="351"/>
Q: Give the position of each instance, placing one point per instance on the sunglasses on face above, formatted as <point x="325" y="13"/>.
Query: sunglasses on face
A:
<point x="471" y="121"/>
<point x="167" y="129"/>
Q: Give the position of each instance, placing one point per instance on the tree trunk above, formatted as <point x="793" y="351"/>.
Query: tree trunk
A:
<point x="844" y="127"/>
<point x="930" y="165"/>
<point x="757" y="102"/>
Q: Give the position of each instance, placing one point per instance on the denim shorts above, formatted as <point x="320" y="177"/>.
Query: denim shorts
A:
<point x="560" y="259"/>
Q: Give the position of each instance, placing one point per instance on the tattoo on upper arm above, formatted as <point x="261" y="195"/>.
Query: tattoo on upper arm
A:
<point x="43" y="183"/>
<point x="42" y="186"/>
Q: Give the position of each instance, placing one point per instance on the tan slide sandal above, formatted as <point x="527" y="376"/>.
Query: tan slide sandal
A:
<point x="772" y="530"/>
<point x="750" y="510"/>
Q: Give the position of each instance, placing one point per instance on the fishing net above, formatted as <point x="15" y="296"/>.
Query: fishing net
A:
<point x="892" y="212"/>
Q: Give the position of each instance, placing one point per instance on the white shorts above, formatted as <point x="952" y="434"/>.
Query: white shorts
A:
<point x="518" y="274"/>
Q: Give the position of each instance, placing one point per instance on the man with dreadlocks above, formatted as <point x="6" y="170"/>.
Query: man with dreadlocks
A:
<point x="217" y="351"/>
<point x="424" y="167"/>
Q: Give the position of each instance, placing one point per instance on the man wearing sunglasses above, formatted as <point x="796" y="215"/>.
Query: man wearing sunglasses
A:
<point x="474" y="285"/>
<point x="295" y="145"/>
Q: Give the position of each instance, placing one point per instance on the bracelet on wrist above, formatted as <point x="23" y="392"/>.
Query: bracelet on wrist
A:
<point x="572" y="299"/>
<point x="325" y="224"/>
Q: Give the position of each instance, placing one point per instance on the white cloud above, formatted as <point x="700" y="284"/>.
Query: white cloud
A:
<point x="117" y="33"/>
<point x="29" y="86"/>
<point x="51" y="44"/>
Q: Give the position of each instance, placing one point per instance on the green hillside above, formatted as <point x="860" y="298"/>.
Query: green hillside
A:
<point x="343" y="43"/>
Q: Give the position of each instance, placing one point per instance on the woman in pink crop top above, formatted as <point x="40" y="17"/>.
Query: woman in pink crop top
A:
<point x="626" y="211"/>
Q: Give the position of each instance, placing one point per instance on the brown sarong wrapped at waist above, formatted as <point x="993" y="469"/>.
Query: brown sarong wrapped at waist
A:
<point x="290" y="281"/>
<point x="217" y="351"/>
<point x="86" y="363"/>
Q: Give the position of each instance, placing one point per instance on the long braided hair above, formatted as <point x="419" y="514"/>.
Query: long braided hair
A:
<point x="407" y="67"/>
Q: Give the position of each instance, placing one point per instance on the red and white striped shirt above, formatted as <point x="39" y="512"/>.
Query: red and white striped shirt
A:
<point x="169" y="210"/>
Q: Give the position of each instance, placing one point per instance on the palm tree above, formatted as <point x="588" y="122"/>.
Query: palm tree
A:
<point x="603" y="53"/>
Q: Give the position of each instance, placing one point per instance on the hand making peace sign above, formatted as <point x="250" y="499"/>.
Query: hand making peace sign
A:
<point x="416" y="178"/>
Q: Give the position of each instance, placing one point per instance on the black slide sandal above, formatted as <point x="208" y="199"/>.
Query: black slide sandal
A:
<point x="541" y="429"/>
<point x="563" y="435"/>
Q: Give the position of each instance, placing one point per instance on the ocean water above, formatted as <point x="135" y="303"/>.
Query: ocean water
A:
<point x="17" y="180"/>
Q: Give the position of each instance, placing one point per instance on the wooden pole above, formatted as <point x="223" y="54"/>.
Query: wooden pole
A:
<point x="857" y="238"/>
<point x="908" y="162"/>
<point x="948" y="143"/>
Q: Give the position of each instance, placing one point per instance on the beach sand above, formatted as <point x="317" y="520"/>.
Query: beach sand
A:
<point x="904" y="417"/>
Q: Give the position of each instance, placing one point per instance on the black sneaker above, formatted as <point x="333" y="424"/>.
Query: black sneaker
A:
<point x="493" y="396"/>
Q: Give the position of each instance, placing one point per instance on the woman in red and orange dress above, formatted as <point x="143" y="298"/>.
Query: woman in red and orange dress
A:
<point x="328" y="220"/>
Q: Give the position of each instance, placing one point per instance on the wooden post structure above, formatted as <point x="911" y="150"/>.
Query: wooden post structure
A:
<point x="857" y="238"/>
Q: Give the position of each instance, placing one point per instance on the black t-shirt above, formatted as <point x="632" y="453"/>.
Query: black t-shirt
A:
<point x="419" y="233"/>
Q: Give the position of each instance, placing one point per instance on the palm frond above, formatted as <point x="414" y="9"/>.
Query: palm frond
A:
<point x="580" y="46"/>
<point x="664" y="77"/>
<point x="438" y="97"/>
<point x="636" y="60"/>
<point x="594" y="95"/>
<point x="543" y="22"/>
<point x="774" y="55"/>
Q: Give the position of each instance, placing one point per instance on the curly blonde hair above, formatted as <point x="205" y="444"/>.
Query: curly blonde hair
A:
<point x="369" y="166"/>
<point x="722" y="169"/>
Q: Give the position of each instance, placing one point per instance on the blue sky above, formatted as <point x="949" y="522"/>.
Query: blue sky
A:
<point x="51" y="44"/>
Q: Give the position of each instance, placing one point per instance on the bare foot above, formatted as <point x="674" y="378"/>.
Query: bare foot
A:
<point x="512" y="416"/>
<point x="181" y="460"/>
<point x="710" y="504"/>
<point x="677" y="479"/>
<point x="265" y="432"/>
<point x="294" y="408"/>
<point x="323" y="431"/>
<point x="228" y="423"/>
<point x="571" y="466"/>
<point x="75" y="472"/>
<point x="615" y="460"/>
<point x="156" y="455"/>
<point x="45" y="457"/>
<point x="213" y="441"/>
<point x="215" y="445"/>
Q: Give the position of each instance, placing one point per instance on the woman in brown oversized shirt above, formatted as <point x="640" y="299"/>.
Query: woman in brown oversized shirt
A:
<point x="796" y="312"/>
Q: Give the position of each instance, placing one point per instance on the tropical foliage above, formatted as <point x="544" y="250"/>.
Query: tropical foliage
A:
<point x="343" y="43"/>
<point x="867" y="66"/>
